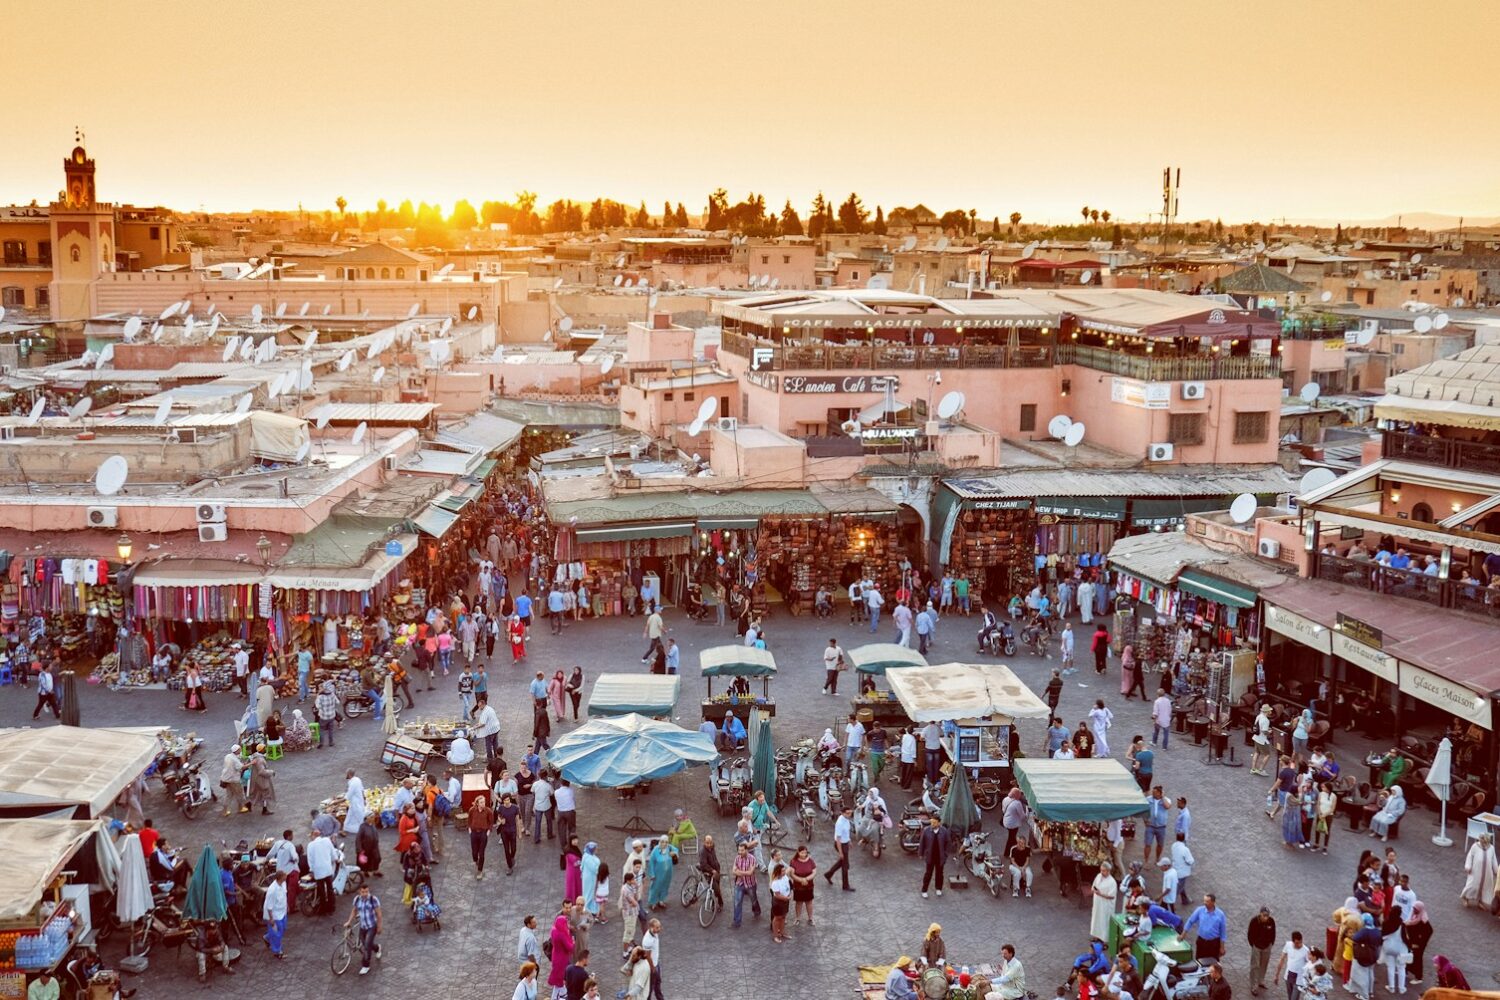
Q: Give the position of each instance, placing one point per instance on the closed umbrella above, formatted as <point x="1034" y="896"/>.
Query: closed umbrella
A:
<point x="959" y="811"/>
<point x="388" y="720"/>
<point x="133" y="889"/>
<point x="205" y="892"/>
<point x="69" y="686"/>
<point x="763" y="761"/>
<point x="1440" y="781"/>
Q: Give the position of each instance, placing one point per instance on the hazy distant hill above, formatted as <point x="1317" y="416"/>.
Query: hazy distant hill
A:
<point x="1434" y="221"/>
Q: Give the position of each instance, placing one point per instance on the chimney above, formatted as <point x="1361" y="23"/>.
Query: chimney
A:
<point x="661" y="321"/>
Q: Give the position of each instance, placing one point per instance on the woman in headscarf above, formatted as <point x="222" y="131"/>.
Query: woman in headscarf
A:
<point x="575" y="689"/>
<point x="1479" y="873"/>
<point x="1100" y="721"/>
<point x="570" y="862"/>
<point x="589" y="870"/>
<point x="298" y="732"/>
<point x="232" y="780"/>
<point x="934" y="951"/>
<point x="1301" y="730"/>
<point x="367" y="846"/>
<point x="659" y="867"/>
<point x="562" y="951"/>
<point x="1130" y="677"/>
<point x="354" y="794"/>
<point x="636" y="853"/>
<point x="1415" y="933"/>
<point x="262" y="788"/>
<point x="556" y="693"/>
<point x="1389" y="814"/>
<point x="1365" y="953"/>
<point x="1291" y="819"/>
<point x="515" y="631"/>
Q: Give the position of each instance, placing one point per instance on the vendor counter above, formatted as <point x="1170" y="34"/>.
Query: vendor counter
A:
<point x="1164" y="939"/>
<point x="715" y="710"/>
<point x="883" y="711"/>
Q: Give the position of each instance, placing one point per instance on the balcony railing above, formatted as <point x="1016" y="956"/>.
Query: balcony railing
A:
<point x="1471" y="456"/>
<point x="1153" y="369"/>
<point x="1370" y="575"/>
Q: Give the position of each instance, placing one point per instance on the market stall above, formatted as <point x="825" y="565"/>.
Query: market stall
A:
<point x="70" y="771"/>
<point x="45" y="869"/>
<point x="652" y="695"/>
<point x="872" y="660"/>
<point x="740" y="663"/>
<point x="628" y="751"/>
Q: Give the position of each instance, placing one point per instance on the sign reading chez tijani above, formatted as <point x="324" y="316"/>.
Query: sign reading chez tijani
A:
<point x="818" y="384"/>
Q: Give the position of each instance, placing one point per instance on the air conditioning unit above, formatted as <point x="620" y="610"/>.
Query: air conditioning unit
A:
<point x="1159" y="452"/>
<point x="1194" y="390"/>
<point x="213" y="532"/>
<point x="186" y="435"/>
<point x="1270" y="548"/>
<point x="211" y="513"/>
<point x="7" y="433"/>
<point x="104" y="517"/>
<point x="728" y="424"/>
<point x="390" y="463"/>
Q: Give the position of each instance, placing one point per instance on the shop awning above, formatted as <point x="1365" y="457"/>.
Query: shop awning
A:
<point x="1088" y="508"/>
<point x="33" y="852"/>
<point x="456" y="502"/>
<point x="643" y="694"/>
<point x="877" y="657"/>
<point x="736" y="661"/>
<point x="1094" y="789"/>
<point x="486" y="467"/>
<point x="368" y="576"/>
<point x="70" y="766"/>
<point x="728" y="523"/>
<point x="631" y="532"/>
<point x="194" y="573"/>
<point x="1167" y="513"/>
<point x="435" y="521"/>
<point x="1234" y="595"/>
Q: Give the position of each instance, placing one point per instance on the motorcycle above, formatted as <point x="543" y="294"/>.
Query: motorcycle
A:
<point x="732" y="785"/>
<point x="356" y="705"/>
<point x="977" y="856"/>
<point x="1034" y="638"/>
<point x="871" y="818"/>
<point x="831" y="791"/>
<point x="1001" y="641"/>
<point x="194" y="793"/>
<point x="859" y="777"/>
<point x="806" y="814"/>
<point x="1173" y="980"/>
<point x="913" y="819"/>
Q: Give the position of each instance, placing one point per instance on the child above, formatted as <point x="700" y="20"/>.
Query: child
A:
<point x="601" y="891"/>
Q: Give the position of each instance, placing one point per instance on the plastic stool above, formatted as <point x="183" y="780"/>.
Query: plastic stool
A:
<point x="317" y="732"/>
<point x="6" y="676"/>
<point x="273" y="750"/>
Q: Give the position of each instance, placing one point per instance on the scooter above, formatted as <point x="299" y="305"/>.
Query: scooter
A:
<point x="1000" y="642"/>
<point x="194" y="793"/>
<point x="356" y="705"/>
<point x="859" y="777"/>
<point x="870" y="821"/>
<point x="1172" y="980"/>
<point x="976" y="855"/>
<point x="913" y="819"/>
<point x="831" y="791"/>
<point x="1034" y="638"/>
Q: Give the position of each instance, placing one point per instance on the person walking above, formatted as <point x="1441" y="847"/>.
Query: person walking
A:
<point x="873" y="603"/>
<point x="1294" y="958"/>
<point x="651" y="944"/>
<point x="366" y="912"/>
<point x="843" y="829"/>
<point x="566" y="804"/>
<point x="1054" y="690"/>
<point x="1260" y="935"/>
<point x="575" y="689"/>
<point x="481" y="819"/>
<point x="273" y="911"/>
<point x="1104" y="890"/>
<point x="653" y="633"/>
<point x="1131" y="679"/>
<point x="262" y="790"/>
<point x="1099" y="646"/>
<point x="1100" y="721"/>
<point x="908" y="756"/>
<point x="1157" y="810"/>
<point x="1161" y="718"/>
<point x="563" y="942"/>
<point x="1479" y="873"/>
<point x="934" y="851"/>
<point x="833" y="662"/>
<point x="326" y="710"/>
<point x="46" y="693"/>
<point x="557" y="689"/>
<point x="541" y="808"/>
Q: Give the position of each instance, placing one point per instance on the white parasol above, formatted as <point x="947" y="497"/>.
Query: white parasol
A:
<point x="133" y="892"/>
<point x="1440" y="780"/>
<point x="388" y="721"/>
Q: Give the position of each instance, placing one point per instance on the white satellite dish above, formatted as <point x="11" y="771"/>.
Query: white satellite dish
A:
<point x="132" y="326"/>
<point x="302" y="450"/>
<point x="1027" y="251"/>
<point x="325" y="414"/>
<point x="1316" y="479"/>
<point x="163" y="411"/>
<point x="1326" y="296"/>
<point x="1422" y="324"/>
<point x="335" y="237"/>
<point x="372" y="349"/>
<point x="312" y="338"/>
<point x="305" y="379"/>
<point x="168" y="312"/>
<point x="1243" y="508"/>
<point x="1363" y="337"/>
<point x="412" y="311"/>
<point x="695" y="428"/>
<point x="213" y="323"/>
<point x="473" y="311"/>
<point x="1416" y="258"/>
<point x="188" y="325"/>
<point x="559" y="282"/>
<point x="104" y="357"/>
<point x="280" y="309"/>
<point x="274" y="388"/>
<point x="243" y="406"/>
<point x="256" y="312"/>
<point x="1440" y="321"/>
<point x="619" y="280"/>
<point x="345" y="360"/>
<point x="1086" y="277"/>
<point x="708" y="409"/>
<point x="652" y="302"/>
<point x="328" y="309"/>
<point x="248" y="347"/>
<point x="1058" y="426"/>
<point x="910" y="243"/>
<point x="949" y="405"/>
<point x="110" y="477"/>
<point x="2" y="312"/>
<point x="1359" y="244"/>
<point x="942" y="243"/>
<point x="156" y="330"/>
<point x="359" y="432"/>
<point x="305" y="307"/>
<point x="446" y="269"/>
<point x="36" y="412"/>
<point x="230" y="347"/>
<point x="447" y="325"/>
<point x="377" y="375"/>
<point x="606" y="364"/>
<point x="1074" y="437"/>
<point x="1458" y="301"/>
<point x="629" y="282"/>
<point x="565" y="324"/>
<point x="80" y="408"/>
<point x="1310" y="392"/>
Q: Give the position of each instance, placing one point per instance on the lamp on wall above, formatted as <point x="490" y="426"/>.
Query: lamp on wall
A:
<point x="124" y="546"/>
<point x="1310" y="535"/>
<point x="263" y="546"/>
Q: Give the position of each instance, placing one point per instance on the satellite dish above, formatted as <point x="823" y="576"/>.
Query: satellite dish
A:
<point x="36" y="412"/>
<point x="2" y="312"/>
<point x="447" y="325"/>
<point x="1027" y="251"/>
<point x="565" y="324"/>
<point x="335" y="237"/>
<point x="629" y="282"/>
<point x="163" y="411"/>
<point x="168" y="312"/>
<point x="328" y="309"/>
<point x="652" y="302"/>
<point x="949" y="405"/>
<point x="312" y="338"/>
<point x="695" y="428"/>
<point x="850" y="427"/>
<point x="473" y="311"/>
<point x="1363" y="337"/>
<point x="230" y="347"/>
<point x="81" y="408"/>
<point x="708" y="409"/>
<point x="1058" y="426"/>
<point x="1326" y="296"/>
<point x="280" y="309"/>
<point x="412" y="311"/>
<point x="243" y="406"/>
<point x="1074" y="437"/>
<point x="274" y="389"/>
<point x="156" y="330"/>
<point x="606" y="364"/>
<point x="1423" y="324"/>
<point x="1086" y="277"/>
<point x="325" y="414"/>
<point x="188" y="325"/>
<point x="377" y="375"/>
<point x="111" y="475"/>
<point x="1316" y="479"/>
<point x="104" y="356"/>
<point x="359" y="432"/>
<point x="1243" y="508"/>
<point x="213" y="323"/>
<point x="1416" y="258"/>
<point x="446" y="269"/>
<point x="619" y="280"/>
<point x="559" y="282"/>
<point x="247" y="348"/>
<point x="1359" y="244"/>
<point x="256" y="312"/>
<point x="1440" y="321"/>
<point x="302" y="450"/>
<point x="1310" y="392"/>
<point x="1458" y="301"/>
<point x="942" y="243"/>
<point x="305" y="307"/>
<point x="345" y="360"/>
<point x="910" y="243"/>
<point x="132" y="326"/>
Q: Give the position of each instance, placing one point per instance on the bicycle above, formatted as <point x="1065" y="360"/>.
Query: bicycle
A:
<point x="697" y="888"/>
<point x="343" y="952"/>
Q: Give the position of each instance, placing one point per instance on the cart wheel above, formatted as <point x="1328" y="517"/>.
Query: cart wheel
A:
<point x="307" y="902"/>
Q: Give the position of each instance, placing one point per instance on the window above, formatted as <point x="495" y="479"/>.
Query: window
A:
<point x="688" y="397"/>
<point x="667" y="396"/>
<point x="43" y="296"/>
<point x="44" y="253"/>
<point x="1185" y="428"/>
<point x="786" y="258"/>
<point x="369" y="272"/>
<point x="1028" y="416"/>
<point x="385" y="273"/>
<point x="400" y="272"/>
<point x="853" y="275"/>
<point x="15" y="252"/>
<point x="12" y="295"/>
<point x="765" y="258"/>
<point x="156" y="232"/>
<point x="1398" y="348"/>
<point x="1250" y="426"/>
<point x="1421" y="512"/>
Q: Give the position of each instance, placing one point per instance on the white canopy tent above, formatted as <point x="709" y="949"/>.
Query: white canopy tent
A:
<point x="66" y="768"/>
<point x="33" y="852"/>
<point x="953" y="691"/>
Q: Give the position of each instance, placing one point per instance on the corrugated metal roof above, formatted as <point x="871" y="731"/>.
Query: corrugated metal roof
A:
<point x="680" y="506"/>
<point x="1162" y="556"/>
<point x="1101" y="483"/>
<point x="389" y="413"/>
<point x="447" y="463"/>
<point x="483" y="432"/>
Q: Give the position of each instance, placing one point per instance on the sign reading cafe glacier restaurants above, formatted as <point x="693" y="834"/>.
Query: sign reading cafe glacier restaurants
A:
<point x="811" y="384"/>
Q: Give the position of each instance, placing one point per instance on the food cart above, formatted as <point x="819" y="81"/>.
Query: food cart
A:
<point x="45" y="868"/>
<point x="439" y="733"/>
<point x="741" y="663"/>
<point x="871" y="705"/>
<point x="651" y="695"/>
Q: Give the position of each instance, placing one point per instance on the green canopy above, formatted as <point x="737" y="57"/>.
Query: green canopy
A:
<point x="763" y="761"/>
<point x="736" y="661"/>
<point x="644" y="694"/>
<point x="959" y="811"/>
<point x="205" y="893"/>
<point x="1091" y="789"/>
<point x="878" y="657"/>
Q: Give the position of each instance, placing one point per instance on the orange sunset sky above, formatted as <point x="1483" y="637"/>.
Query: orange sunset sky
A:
<point x="1298" y="108"/>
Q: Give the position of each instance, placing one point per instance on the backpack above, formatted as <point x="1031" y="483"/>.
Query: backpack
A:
<point x="441" y="805"/>
<point x="1365" y="953"/>
<point x="547" y="947"/>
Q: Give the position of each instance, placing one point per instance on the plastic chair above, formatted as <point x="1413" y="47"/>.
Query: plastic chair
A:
<point x="316" y="729"/>
<point x="273" y="750"/>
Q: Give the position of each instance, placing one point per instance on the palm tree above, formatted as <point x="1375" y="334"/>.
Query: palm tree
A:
<point x="1094" y="214"/>
<point x="1085" y="213"/>
<point x="1015" y="219"/>
<point x="1104" y="215"/>
<point x="341" y="203"/>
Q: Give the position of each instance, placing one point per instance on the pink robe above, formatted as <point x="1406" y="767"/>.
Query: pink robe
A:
<point x="573" y="878"/>
<point x="562" y="950"/>
<point x="556" y="692"/>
